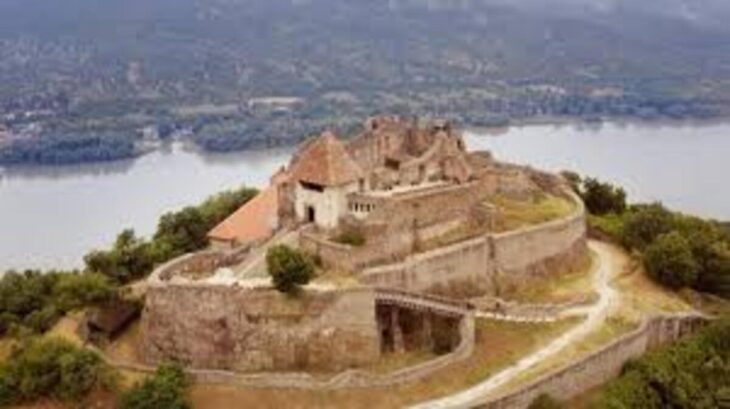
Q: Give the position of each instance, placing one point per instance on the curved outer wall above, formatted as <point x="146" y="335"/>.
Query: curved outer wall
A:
<point x="491" y="261"/>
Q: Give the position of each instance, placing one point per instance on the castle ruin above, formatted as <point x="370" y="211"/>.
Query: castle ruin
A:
<point x="403" y="210"/>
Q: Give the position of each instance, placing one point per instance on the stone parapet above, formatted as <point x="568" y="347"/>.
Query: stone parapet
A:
<point x="600" y="366"/>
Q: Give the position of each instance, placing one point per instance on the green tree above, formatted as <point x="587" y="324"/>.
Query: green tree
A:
<point x="644" y="223"/>
<point x="183" y="231"/>
<point x="602" y="198"/>
<point x="51" y="367"/>
<point x="289" y="268"/>
<point x="74" y="290"/>
<point x="669" y="260"/>
<point x="164" y="390"/>
<point x="129" y="259"/>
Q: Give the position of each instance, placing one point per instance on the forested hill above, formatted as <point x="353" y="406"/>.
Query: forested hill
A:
<point x="119" y="65"/>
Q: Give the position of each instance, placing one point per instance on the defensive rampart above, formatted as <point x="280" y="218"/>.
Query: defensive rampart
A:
<point x="490" y="260"/>
<point x="242" y="329"/>
<point x="600" y="366"/>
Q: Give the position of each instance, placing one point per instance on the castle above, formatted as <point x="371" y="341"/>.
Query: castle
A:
<point x="404" y="211"/>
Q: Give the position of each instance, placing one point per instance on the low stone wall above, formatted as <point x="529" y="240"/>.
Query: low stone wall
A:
<point x="600" y="366"/>
<point x="200" y="264"/>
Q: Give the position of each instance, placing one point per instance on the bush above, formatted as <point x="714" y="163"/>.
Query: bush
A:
<point x="74" y="291"/>
<point x="693" y="373"/>
<point x="669" y="260"/>
<point x="289" y="268"/>
<point x="645" y="223"/>
<point x="574" y="180"/>
<point x="130" y="258"/>
<point x="545" y="401"/>
<point x="602" y="198"/>
<point x="164" y="390"/>
<point x="35" y="301"/>
<point x="52" y="368"/>
<point x="351" y="237"/>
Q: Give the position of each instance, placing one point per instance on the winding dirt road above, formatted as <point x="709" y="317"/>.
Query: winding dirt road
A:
<point x="606" y="267"/>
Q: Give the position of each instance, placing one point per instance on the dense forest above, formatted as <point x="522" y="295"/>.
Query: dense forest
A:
<point x="79" y="76"/>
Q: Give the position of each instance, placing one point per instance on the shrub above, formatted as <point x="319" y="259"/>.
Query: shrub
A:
<point x="602" y="198"/>
<point x="73" y="291"/>
<point x="545" y="401"/>
<point x="669" y="260"/>
<point x="351" y="237"/>
<point x="35" y="301"/>
<point x="645" y="223"/>
<point x="692" y="373"/>
<point x="289" y="268"/>
<point x="164" y="390"/>
<point x="574" y="180"/>
<point x="51" y="368"/>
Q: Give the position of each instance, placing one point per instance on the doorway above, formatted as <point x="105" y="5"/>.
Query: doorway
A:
<point x="310" y="214"/>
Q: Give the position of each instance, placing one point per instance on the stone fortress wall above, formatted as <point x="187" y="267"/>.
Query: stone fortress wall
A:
<point x="349" y="378"/>
<point x="600" y="366"/>
<point x="250" y="329"/>
<point x="494" y="259"/>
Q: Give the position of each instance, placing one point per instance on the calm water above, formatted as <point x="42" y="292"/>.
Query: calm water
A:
<point x="50" y="217"/>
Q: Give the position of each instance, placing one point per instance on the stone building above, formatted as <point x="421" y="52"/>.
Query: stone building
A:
<point x="328" y="181"/>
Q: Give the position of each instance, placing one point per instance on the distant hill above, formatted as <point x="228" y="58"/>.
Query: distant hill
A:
<point x="127" y="64"/>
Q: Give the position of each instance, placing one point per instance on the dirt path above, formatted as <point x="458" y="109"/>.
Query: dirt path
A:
<point x="609" y="264"/>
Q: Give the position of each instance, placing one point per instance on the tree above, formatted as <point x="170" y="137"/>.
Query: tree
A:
<point x="644" y="223"/>
<point x="51" y="367"/>
<point x="669" y="260"/>
<point x="164" y="390"/>
<point x="74" y="290"/>
<point x="130" y="258"/>
<point x="184" y="231"/>
<point x="602" y="198"/>
<point x="289" y="268"/>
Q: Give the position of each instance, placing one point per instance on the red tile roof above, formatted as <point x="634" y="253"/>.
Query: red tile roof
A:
<point x="255" y="220"/>
<point x="325" y="162"/>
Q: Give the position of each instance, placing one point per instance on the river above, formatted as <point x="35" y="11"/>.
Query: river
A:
<point x="50" y="217"/>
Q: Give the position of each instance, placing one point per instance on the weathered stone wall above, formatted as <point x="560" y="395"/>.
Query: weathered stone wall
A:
<point x="463" y="262"/>
<point x="491" y="261"/>
<point x="524" y="251"/>
<point x="202" y="263"/>
<point x="352" y="378"/>
<point x="229" y="327"/>
<point x="600" y="366"/>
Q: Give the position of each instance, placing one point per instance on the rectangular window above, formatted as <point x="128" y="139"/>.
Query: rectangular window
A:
<point x="312" y="186"/>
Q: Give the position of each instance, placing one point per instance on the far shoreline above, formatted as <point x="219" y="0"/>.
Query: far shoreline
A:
<point x="486" y="130"/>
